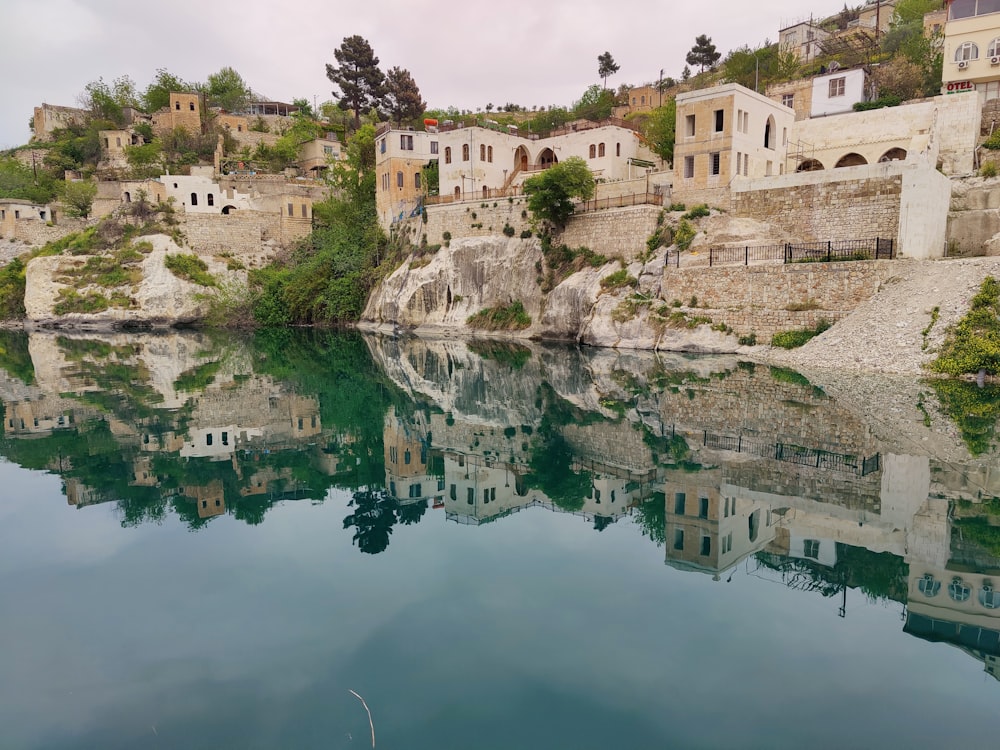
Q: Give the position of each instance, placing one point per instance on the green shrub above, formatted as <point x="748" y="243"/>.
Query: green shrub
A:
<point x="973" y="343"/>
<point x="697" y="212"/>
<point x="748" y="340"/>
<point x="71" y="301"/>
<point x="989" y="169"/>
<point x="508" y="230"/>
<point x="677" y="207"/>
<point x="190" y="268"/>
<point x="890" y="100"/>
<point x="685" y="234"/>
<point x="512" y="317"/>
<point x="795" y="339"/>
<point x="993" y="142"/>
<point x="618" y="279"/>
<point x="525" y="234"/>
<point x="12" y="290"/>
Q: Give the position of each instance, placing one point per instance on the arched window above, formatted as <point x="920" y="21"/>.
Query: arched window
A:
<point x="447" y="154"/>
<point x="959" y="590"/>
<point x="593" y="151"/>
<point x="642" y="99"/>
<point x="928" y="586"/>
<point x="465" y="152"/>
<point x="211" y="199"/>
<point x="191" y="106"/>
<point x="994" y="49"/>
<point x="769" y="133"/>
<point x="489" y="154"/>
<point x="851" y="160"/>
<point x="618" y="149"/>
<point x="194" y="199"/>
<point x="600" y="149"/>
<point x="967" y="51"/>
<point x="458" y="193"/>
<point x="128" y="197"/>
<point x="482" y="152"/>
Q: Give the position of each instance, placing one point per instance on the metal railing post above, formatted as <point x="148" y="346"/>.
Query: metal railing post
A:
<point x="746" y="257"/>
<point x="709" y="257"/>
<point x="829" y="251"/>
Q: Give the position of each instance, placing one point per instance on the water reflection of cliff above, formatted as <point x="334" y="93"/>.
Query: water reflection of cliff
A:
<point x="728" y="466"/>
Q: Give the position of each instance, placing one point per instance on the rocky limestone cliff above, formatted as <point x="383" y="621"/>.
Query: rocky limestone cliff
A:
<point x="159" y="299"/>
<point x="476" y="273"/>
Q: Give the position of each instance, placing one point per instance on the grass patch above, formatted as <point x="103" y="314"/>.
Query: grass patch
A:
<point x="935" y="314"/>
<point x="71" y="301"/>
<point x="697" y="212"/>
<point x="190" y="268"/>
<point x="796" y="338"/>
<point x="973" y="343"/>
<point x="618" y="279"/>
<point x="512" y="317"/>
<point x="809" y="304"/>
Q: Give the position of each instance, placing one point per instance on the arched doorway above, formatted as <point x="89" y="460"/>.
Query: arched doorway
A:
<point x="894" y="154"/>
<point x="852" y="160"/>
<point x="128" y="197"/>
<point x="547" y="158"/>
<point x="458" y="193"/>
<point x="769" y="129"/>
<point x="228" y="209"/>
<point x="521" y="159"/>
<point x="810" y="165"/>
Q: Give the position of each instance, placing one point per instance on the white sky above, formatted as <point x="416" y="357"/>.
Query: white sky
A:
<point x="465" y="54"/>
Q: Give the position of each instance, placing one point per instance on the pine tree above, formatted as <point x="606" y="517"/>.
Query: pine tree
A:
<point x="358" y="77"/>
<point x="606" y="66"/>
<point x="402" y="97"/>
<point x="703" y="53"/>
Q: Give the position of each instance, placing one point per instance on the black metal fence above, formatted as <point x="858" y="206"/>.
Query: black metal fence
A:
<point x="795" y="454"/>
<point x="827" y="251"/>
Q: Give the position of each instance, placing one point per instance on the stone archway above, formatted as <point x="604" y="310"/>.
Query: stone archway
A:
<point x="521" y="159"/>
<point x="851" y="160"/>
<point x="228" y="210"/>
<point x="810" y="165"/>
<point x="894" y="154"/>
<point x="547" y="158"/>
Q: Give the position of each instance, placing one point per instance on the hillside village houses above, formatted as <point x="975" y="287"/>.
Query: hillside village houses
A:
<point x="732" y="144"/>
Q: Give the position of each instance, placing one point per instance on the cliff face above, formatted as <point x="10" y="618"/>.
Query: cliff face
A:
<point x="154" y="296"/>
<point x="476" y="273"/>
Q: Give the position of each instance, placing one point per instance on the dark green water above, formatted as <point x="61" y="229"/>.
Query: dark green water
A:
<point x="207" y="542"/>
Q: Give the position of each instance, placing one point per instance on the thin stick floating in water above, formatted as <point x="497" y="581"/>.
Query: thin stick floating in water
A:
<point x="370" y="722"/>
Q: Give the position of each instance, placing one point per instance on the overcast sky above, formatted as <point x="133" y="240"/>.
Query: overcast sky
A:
<point x="465" y="54"/>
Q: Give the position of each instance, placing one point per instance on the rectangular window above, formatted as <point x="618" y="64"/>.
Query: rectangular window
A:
<point x="703" y="507"/>
<point x="811" y="548"/>
<point x="715" y="159"/>
<point x="291" y="210"/>
<point x="399" y="179"/>
<point x="434" y="147"/>
<point x="406" y="142"/>
<point x="328" y="150"/>
<point x="788" y="100"/>
<point x="746" y="165"/>
<point x="452" y="492"/>
<point x="739" y="163"/>
<point x="470" y="497"/>
<point x="688" y="167"/>
<point x="305" y="211"/>
<point x="720" y="120"/>
<point x="837" y="86"/>
<point x="416" y="180"/>
<point x="678" y="539"/>
<point x="706" y="545"/>
<point x="679" y="498"/>
<point x="689" y="126"/>
<point x="381" y="146"/>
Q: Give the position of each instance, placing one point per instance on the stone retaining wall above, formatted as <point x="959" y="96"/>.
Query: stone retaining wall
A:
<point x="474" y="219"/>
<point x="613" y="231"/>
<point x="754" y="299"/>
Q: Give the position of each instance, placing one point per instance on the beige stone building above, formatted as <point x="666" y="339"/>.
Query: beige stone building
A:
<point x="316" y="156"/>
<point x="803" y="40"/>
<point x="49" y="117"/>
<point x="972" y="48"/>
<point x="184" y="111"/>
<point x="724" y="133"/>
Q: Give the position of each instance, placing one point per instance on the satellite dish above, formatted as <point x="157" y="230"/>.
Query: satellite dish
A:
<point x="834" y="66"/>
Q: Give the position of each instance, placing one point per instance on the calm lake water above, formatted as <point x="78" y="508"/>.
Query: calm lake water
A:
<point x="209" y="541"/>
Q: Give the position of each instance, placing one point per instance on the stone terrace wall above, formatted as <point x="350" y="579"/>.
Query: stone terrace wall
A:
<point x="458" y="219"/>
<point x="810" y="206"/>
<point x="753" y="299"/>
<point x="613" y="231"/>
<point x="244" y="235"/>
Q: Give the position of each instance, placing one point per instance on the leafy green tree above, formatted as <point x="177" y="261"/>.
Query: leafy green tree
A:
<point x="760" y="67"/>
<point x="551" y="193"/>
<point x="606" y="66"/>
<point x="79" y="197"/>
<point x="157" y="94"/>
<point x="686" y="73"/>
<point x="357" y="76"/>
<point x="305" y="109"/>
<point x="145" y="160"/>
<point x="703" y="53"/>
<point x="107" y="101"/>
<point x="20" y="181"/>
<point x="596" y="104"/>
<point x="660" y="129"/>
<point x="907" y="11"/>
<point x="402" y="97"/>
<point x="228" y="90"/>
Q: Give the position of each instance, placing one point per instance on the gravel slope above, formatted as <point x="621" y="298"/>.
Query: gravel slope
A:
<point x="885" y="334"/>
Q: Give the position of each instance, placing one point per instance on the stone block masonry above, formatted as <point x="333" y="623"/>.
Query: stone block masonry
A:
<point x="485" y="218"/>
<point x="755" y="299"/>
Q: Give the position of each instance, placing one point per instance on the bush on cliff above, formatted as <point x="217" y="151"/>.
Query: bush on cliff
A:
<point x="973" y="344"/>
<point x="551" y="193"/>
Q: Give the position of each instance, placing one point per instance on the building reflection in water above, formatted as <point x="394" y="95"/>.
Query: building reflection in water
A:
<point x="730" y="467"/>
